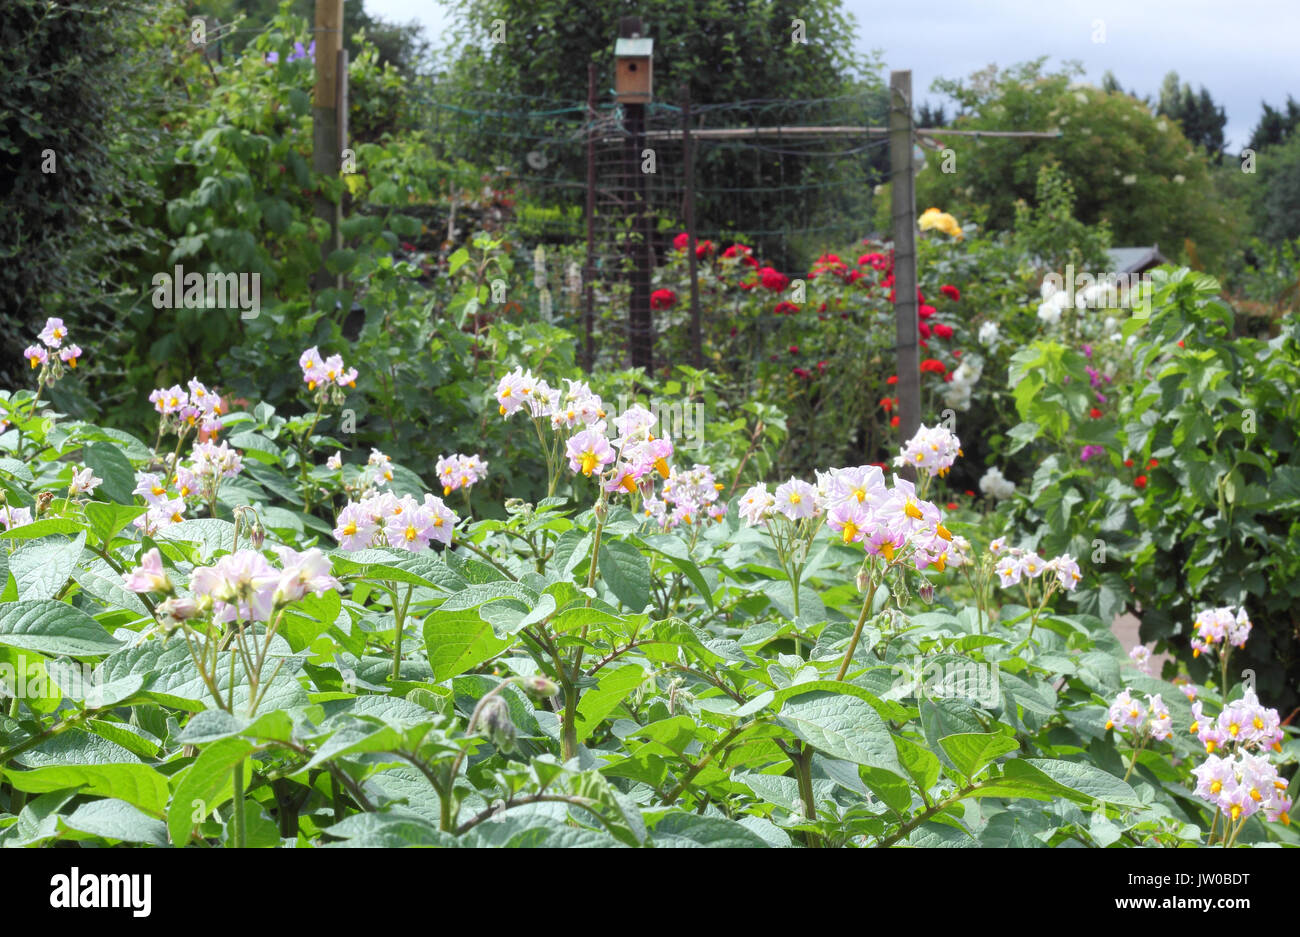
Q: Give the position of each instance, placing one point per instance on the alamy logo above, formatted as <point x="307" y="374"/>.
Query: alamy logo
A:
<point x="181" y="290"/>
<point x="1103" y="291"/>
<point x="104" y="890"/>
<point x="680" y="421"/>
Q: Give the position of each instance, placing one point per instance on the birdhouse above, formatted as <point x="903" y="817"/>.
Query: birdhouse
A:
<point x="633" y="70"/>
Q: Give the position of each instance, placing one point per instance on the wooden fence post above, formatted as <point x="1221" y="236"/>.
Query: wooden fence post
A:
<point x="325" y="123"/>
<point x="904" y="232"/>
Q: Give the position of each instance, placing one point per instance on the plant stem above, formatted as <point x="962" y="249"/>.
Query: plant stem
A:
<point x="240" y="832"/>
<point x="399" y="616"/>
<point x="857" y="632"/>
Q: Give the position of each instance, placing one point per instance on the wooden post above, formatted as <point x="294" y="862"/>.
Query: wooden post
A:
<point x="904" y="225"/>
<point x="590" y="274"/>
<point x="640" y="323"/>
<point x="326" y="159"/>
<point x="688" y="157"/>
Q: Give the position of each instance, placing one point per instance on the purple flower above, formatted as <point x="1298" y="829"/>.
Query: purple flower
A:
<point x="1087" y="351"/>
<point x="1089" y="451"/>
<point x="1101" y="398"/>
<point x="1094" y="378"/>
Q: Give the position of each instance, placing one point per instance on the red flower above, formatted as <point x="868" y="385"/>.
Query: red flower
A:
<point x="1128" y="463"/>
<point x="887" y="403"/>
<point x="803" y="373"/>
<point x="1140" y="481"/>
<point x="951" y="505"/>
<point x="894" y="421"/>
<point x="786" y="308"/>
<point x="733" y="331"/>
<point x="942" y="330"/>
<point x="1180" y="343"/>
<point x="923" y="343"/>
<point x="892" y="379"/>
<point x="821" y="367"/>
<point x="933" y="366"/>
<point x="772" y="279"/>
<point x="741" y="251"/>
<point x="950" y="291"/>
<point x="853" y="276"/>
<point x="925" y="311"/>
<point x="1095" y="413"/>
<point x="663" y="299"/>
<point x="924" y="329"/>
<point x="704" y="249"/>
<point x="681" y="241"/>
<point x="794" y="349"/>
<point x="875" y="261"/>
<point x="957" y="353"/>
<point x="969" y="493"/>
<point x="1153" y="464"/>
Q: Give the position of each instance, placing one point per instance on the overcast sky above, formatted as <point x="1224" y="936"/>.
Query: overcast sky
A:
<point x="1243" y="52"/>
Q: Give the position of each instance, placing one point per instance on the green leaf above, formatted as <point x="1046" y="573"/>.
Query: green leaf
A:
<point x="1090" y="783"/>
<point x="136" y="784"/>
<point x="117" y="819"/>
<point x="210" y="533"/>
<point x="843" y="727"/>
<point x="388" y="831"/>
<point x="42" y="528"/>
<point x="106" y="520"/>
<point x="971" y="751"/>
<point x="598" y="702"/>
<point x="50" y="627"/>
<point x="627" y="573"/>
<point x="459" y="641"/>
<point x="41" y="567"/>
<point x="111" y="465"/>
<point x="204" y="786"/>
<point x="688" y="829"/>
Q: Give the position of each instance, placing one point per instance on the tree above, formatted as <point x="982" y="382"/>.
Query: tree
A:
<point x="531" y="55"/>
<point x="71" y="82"/>
<point x="1127" y="166"/>
<point x="1201" y="119"/>
<point x="1275" y="126"/>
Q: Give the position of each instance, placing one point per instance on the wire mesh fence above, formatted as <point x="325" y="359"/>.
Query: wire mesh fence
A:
<point x="789" y="178"/>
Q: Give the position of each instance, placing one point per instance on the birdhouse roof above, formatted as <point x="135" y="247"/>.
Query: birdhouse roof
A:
<point x="634" y="48"/>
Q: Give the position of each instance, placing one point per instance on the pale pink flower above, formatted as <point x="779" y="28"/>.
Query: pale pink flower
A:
<point x="54" y="333"/>
<point x="149" y="576"/>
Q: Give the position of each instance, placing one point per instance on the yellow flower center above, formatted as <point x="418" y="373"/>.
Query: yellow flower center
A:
<point x="350" y="528"/>
<point x="887" y="548"/>
<point x="628" y="483"/>
<point x="410" y="532"/>
<point x="661" y="467"/>
<point x="911" y="510"/>
<point x="1216" y="786"/>
<point x="850" y="531"/>
<point x="943" y="532"/>
<point x="589" y="462"/>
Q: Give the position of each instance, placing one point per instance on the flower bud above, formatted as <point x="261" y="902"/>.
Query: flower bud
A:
<point x="539" y="686"/>
<point x="256" y="534"/>
<point x="863" y="580"/>
<point x="495" y="718"/>
<point x="43" y="502"/>
<point x="926" y="592"/>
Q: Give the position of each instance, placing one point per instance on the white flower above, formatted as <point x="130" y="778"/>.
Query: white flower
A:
<point x="995" y="486"/>
<point x="988" y="333"/>
<point x="1180" y="179"/>
<point x="1129" y="179"/>
<point x="1050" y="313"/>
<point x="85" y="480"/>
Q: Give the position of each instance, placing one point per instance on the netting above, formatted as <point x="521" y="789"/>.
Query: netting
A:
<point x="789" y="178"/>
